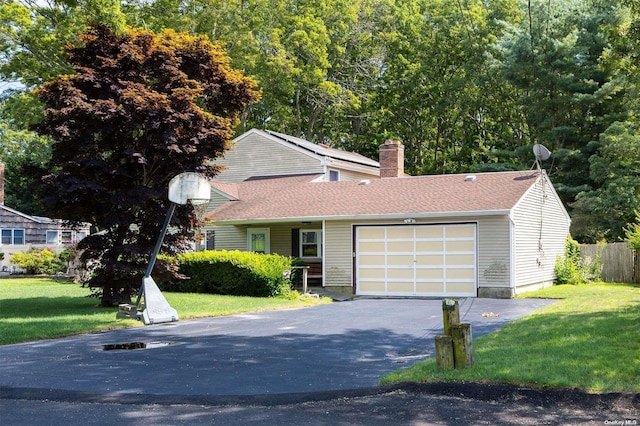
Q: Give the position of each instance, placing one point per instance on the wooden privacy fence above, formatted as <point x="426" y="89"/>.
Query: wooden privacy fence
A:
<point x="619" y="263"/>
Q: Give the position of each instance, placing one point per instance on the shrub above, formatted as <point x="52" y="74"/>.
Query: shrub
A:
<point x="233" y="273"/>
<point x="572" y="269"/>
<point x="37" y="261"/>
<point x="632" y="234"/>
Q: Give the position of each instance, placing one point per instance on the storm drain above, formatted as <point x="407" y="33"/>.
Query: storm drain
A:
<point x="135" y="345"/>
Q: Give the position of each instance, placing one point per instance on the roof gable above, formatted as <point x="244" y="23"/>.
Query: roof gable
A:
<point x="36" y="219"/>
<point x="298" y="197"/>
<point x="324" y="150"/>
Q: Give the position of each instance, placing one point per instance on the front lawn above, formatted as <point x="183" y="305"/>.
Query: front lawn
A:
<point x="590" y="340"/>
<point x="44" y="308"/>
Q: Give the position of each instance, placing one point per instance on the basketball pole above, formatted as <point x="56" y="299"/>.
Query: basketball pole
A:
<point x="185" y="188"/>
<point x="156" y="250"/>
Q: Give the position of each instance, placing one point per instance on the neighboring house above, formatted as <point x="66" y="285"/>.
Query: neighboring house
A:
<point x="485" y="234"/>
<point x="19" y="232"/>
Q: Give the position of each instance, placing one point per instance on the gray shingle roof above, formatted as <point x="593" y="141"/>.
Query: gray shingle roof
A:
<point x="297" y="197"/>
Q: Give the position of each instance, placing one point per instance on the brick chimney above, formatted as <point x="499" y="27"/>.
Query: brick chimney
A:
<point x="1" y="184"/>
<point x="391" y="159"/>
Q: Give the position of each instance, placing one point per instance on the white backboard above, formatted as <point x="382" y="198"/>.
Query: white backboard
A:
<point x="189" y="187"/>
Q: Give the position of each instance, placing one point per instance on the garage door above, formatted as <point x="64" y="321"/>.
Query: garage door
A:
<point x="416" y="260"/>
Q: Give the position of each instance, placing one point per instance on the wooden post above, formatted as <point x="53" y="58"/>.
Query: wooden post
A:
<point x="462" y="345"/>
<point x="444" y="352"/>
<point x="636" y="266"/>
<point x="450" y="314"/>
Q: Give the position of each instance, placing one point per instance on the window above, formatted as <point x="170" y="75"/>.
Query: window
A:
<point x="310" y="243"/>
<point x="52" y="237"/>
<point x="334" y="175"/>
<point x="67" y="237"/>
<point x="258" y="240"/>
<point x="210" y="242"/>
<point x="13" y="236"/>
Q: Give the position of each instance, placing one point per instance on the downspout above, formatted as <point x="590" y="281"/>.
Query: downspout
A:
<point x="512" y="253"/>
<point x="324" y="259"/>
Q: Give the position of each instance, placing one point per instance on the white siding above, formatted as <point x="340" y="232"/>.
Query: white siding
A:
<point x="494" y="265"/>
<point x="540" y="231"/>
<point x="338" y="254"/>
<point x="254" y="155"/>
<point x="229" y="237"/>
<point x="352" y="175"/>
<point x="281" y="239"/>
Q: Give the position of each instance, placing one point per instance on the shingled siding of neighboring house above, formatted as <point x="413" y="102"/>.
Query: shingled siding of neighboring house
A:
<point x="20" y="232"/>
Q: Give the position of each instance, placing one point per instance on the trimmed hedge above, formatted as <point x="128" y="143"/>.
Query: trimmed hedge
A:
<point x="233" y="273"/>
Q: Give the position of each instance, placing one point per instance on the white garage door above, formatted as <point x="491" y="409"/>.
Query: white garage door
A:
<point x="416" y="260"/>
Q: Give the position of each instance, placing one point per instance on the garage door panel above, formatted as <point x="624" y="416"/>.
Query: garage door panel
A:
<point x="457" y="274"/>
<point x="429" y="246"/>
<point x="460" y="259"/>
<point x="372" y="233"/>
<point x="400" y="287"/>
<point x="372" y="259"/>
<point x="399" y="232"/>
<point x="371" y="246"/>
<point x="372" y="286"/>
<point x="395" y="274"/>
<point x="427" y="260"/>
<point x="460" y="288"/>
<point x="429" y="274"/>
<point x="399" y="259"/>
<point x="433" y="288"/>
<point x="367" y="273"/>
<point x="467" y="231"/>
<point x="453" y="246"/>
<point x="400" y="247"/>
<point x="435" y="232"/>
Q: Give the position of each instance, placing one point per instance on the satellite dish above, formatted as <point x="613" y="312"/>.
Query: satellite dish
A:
<point x="541" y="152"/>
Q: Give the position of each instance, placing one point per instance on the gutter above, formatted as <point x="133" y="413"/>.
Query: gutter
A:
<point x="389" y="216"/>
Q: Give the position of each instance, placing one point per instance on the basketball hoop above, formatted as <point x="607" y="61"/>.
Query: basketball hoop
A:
<point x="189" y="187"/>
<point x="151" y="306"/>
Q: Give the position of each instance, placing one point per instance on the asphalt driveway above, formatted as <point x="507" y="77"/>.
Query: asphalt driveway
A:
<point x="335" y="347"/>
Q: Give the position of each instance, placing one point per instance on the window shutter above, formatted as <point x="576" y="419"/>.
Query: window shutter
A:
<point x="295" y="242"/>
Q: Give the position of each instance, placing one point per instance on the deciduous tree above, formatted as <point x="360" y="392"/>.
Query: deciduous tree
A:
<point x="139" y="109"/>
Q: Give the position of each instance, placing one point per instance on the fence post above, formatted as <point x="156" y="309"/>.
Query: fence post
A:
<point x="636" y="266"/>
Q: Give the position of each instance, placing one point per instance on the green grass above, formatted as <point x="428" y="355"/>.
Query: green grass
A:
<point x="43" y="308"/>
<point x="589" y="340"/>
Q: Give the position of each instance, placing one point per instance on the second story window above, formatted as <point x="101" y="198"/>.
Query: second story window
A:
<point x="334" y="175"/>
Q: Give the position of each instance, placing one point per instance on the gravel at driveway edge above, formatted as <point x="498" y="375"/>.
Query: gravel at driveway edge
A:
<point x="495" y="393"/>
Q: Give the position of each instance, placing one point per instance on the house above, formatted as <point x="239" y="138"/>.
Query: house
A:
<point x="19" y="232"/>
<point x="268" y="153"/>
<point x="465" y="235"/>
<point x="264" y="153"/>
